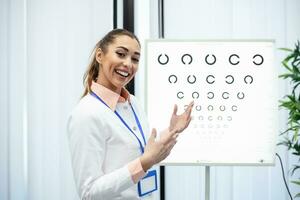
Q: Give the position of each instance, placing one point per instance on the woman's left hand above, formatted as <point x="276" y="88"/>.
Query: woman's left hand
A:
<point x="180" y="122"/>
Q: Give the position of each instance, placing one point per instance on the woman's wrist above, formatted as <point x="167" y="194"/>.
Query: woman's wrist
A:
<point x="172" y="129"/>
<point x="146" y="164"/>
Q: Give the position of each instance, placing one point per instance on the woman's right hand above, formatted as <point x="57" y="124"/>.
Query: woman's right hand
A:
<point x="156" y="151"/>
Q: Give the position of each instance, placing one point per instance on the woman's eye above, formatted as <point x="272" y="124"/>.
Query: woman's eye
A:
<point x="120" y="54"/>
<point x="135" y="60"/>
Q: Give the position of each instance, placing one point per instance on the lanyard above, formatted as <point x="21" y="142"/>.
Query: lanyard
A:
<point x="123" y="121"/>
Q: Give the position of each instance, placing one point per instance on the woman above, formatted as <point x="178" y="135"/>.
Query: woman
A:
<point x="108" y="129"/>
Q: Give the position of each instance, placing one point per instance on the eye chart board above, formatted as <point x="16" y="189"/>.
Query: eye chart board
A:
<point x="234" y="88"/>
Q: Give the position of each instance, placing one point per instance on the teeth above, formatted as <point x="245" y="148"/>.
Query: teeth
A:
<point x="125" y="74"/>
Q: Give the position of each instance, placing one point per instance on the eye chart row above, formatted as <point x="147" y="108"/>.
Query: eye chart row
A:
<point x="209" y="59"/>
<point x="211" y="79"/>
<point x="211" y="95"/>
<point x="233" y="86"/>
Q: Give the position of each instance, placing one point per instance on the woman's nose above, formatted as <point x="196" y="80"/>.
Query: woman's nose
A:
<point x="127" y="62"/>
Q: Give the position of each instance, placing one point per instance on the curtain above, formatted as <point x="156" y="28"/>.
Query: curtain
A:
<point x="45" y="48"/>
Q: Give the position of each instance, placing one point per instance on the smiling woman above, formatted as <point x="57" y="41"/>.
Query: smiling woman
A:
<point x="112" y="150"/>
<point x="103" y="47"/>
<point x="120" y="61"/>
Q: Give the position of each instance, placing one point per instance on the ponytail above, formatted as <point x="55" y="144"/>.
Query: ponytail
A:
<point x="91" y="73"/>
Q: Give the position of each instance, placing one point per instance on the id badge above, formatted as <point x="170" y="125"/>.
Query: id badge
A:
<point x="148" y="184"/>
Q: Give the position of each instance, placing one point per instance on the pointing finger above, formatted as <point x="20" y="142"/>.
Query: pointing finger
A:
<point x="189" y="110"/>
<point x="153" y="135"/>
<point x="175" y="109"/>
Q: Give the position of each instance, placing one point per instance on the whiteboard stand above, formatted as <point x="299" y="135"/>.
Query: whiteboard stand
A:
<point x="207" y="182"/>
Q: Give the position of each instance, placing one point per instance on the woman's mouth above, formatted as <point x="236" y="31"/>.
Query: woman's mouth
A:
<point x="122" y="73"/>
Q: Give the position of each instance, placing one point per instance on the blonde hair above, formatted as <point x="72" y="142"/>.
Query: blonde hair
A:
<point x="92" y="71"/>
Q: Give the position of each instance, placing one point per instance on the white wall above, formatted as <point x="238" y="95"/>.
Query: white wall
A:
<point x="227" y="19"/>
<point x="3" y="101"/>
<point x="44" y="51"/>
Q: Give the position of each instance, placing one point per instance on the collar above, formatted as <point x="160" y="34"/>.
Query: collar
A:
<point x="109" y="97"/>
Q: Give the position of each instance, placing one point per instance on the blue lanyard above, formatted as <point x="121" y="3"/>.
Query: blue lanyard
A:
<point x="123" y="121"/>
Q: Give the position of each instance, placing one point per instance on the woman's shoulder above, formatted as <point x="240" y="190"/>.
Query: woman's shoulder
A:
<point x="136" y="103"/>
<point x="87" y="107"/>
<point x="134" y="99"/>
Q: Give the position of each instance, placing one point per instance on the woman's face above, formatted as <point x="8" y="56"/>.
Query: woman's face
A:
<point x="119" y="64"/>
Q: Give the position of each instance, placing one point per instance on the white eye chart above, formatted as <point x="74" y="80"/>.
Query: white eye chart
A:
<point x="234" y="88"/>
